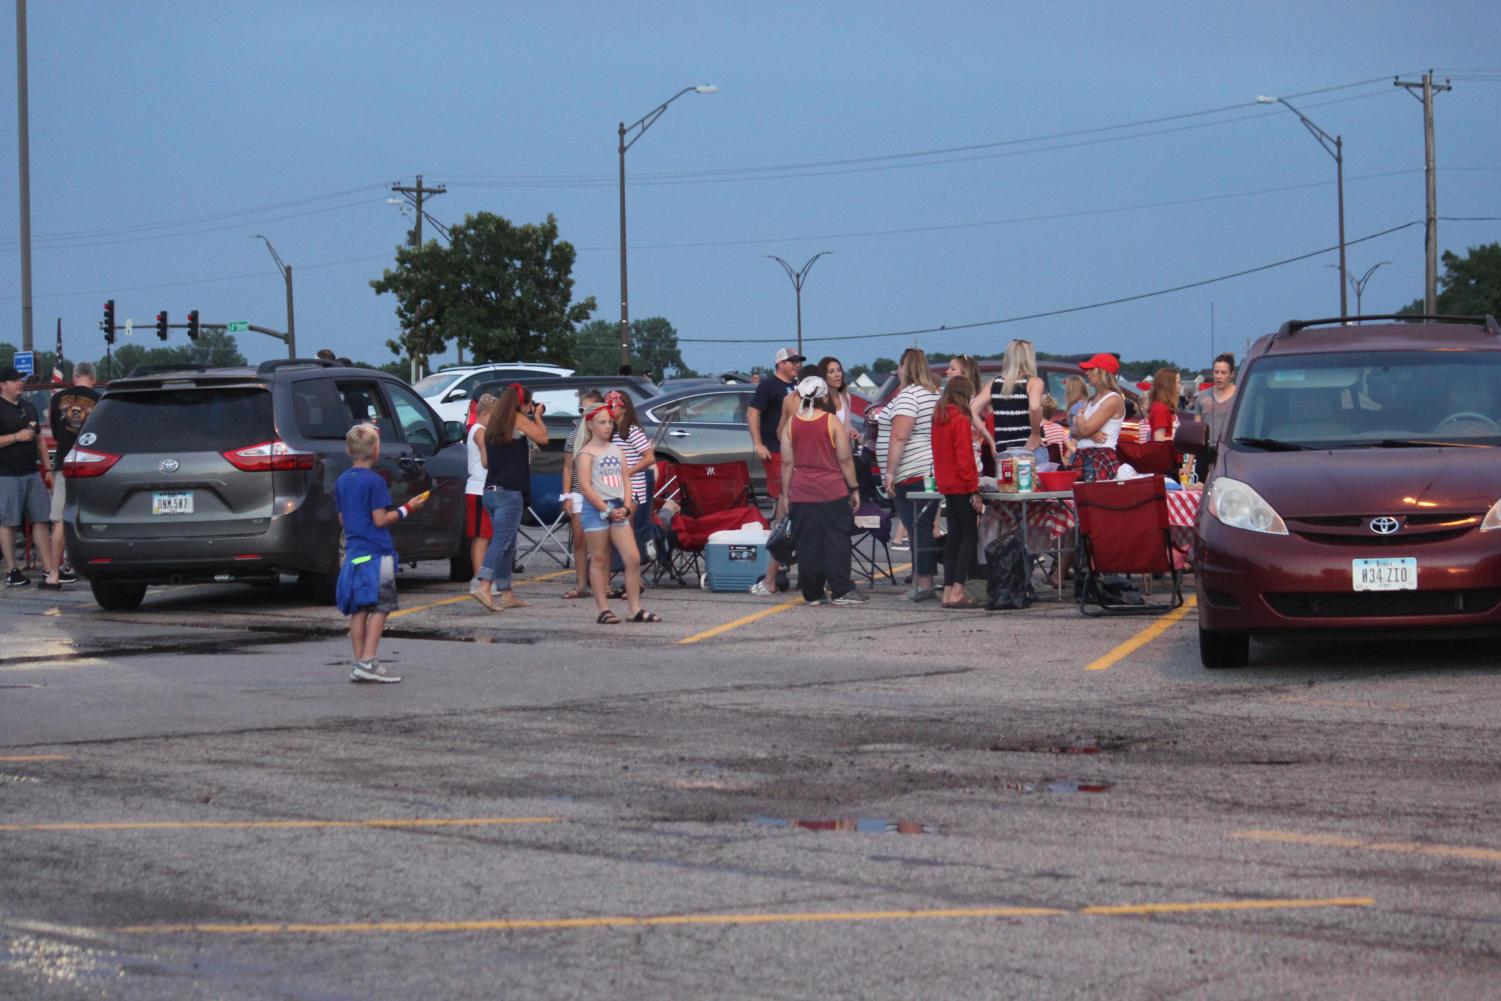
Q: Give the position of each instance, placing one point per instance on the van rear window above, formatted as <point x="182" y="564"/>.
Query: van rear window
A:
<point x="181" y="420"/>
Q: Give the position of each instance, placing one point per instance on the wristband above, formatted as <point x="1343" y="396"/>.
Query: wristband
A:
<point x="852" y="486"/>
<point x="401" y="512"/>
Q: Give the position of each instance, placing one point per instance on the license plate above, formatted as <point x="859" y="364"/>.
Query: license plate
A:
<point x="1387" y="573"/>
<point x="178" y="502"/>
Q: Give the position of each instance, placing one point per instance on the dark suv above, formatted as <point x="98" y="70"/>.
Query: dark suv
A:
<point x="1356" y="486"/>
<point x="224" y="475"/>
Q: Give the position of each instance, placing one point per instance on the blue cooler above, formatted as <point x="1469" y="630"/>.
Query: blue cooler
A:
<point x="735" y="559"/>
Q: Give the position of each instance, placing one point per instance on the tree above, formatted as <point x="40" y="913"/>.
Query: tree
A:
<point x="1469" y="286"/>
<point x="502" y="291"/>
<point x="654" y="349"/>
<point x="212" y="349"/>
<point x="882" y="366"/>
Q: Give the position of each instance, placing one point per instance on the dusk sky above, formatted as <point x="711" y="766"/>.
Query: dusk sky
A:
<point x="1095" y="152"/>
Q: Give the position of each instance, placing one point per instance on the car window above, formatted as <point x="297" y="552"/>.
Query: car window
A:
<point x="434" y="384"/>
<point x="180" y="420"/>
<point x="318" y="409"/>
<point x="717" y="408"/>
<point x="1346" y="400"/>
<point x="363" y="404"/>
<point x="417" y="424"/>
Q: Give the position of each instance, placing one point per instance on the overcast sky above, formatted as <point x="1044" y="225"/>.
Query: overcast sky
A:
<point x="164" y="135"/>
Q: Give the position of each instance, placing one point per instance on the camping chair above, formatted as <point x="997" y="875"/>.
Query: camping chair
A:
<point x="544" y="525"/>
<point x="714" y="496"/>
<point x="872" y="523"/>
<point x="1123" y="529"/>
<point x="1158" y="457"/>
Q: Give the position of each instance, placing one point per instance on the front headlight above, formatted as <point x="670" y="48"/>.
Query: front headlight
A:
<point x="1238" y="506"/>
<point x="1492" y="520"/>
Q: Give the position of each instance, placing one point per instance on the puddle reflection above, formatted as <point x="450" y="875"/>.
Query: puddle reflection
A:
<point x="849" y="825"/>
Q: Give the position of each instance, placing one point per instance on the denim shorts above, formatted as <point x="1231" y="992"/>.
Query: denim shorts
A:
<point x="594" y="521"/>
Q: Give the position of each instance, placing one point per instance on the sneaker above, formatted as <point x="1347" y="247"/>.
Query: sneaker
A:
<point x="901" y="547"/>
<point x="67" y="576"/>
<point x="851" y="598"/>
<point x="919" y="594"/>
<point x="48" y="585"/>
<point x="16" y="579"/>
<point x="372" y="671"/>
<point x="758" y="588"/>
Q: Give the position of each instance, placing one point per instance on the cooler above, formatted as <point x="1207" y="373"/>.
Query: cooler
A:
<point x="735" y="559"/>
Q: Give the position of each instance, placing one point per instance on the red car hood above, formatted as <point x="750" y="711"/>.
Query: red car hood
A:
<point x="1366" y="481"/>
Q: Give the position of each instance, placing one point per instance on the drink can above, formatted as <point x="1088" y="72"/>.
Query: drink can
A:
<point x="930" y="483"/>
<point x="1024" y="475"/>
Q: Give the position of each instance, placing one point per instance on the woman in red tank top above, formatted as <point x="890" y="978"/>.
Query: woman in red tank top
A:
<point x="820" y="492"/>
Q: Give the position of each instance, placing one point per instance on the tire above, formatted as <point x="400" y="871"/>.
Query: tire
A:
<point x="460" y="566"/>
<point x="322" y="588"/>
<point x="1221" y="649"/>
<point x="118" y="597"/>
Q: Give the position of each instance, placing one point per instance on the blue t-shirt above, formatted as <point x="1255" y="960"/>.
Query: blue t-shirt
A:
<point x="359" y="491"/>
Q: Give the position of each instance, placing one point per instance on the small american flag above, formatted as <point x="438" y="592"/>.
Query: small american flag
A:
<point x="57" y="358"/>
<point x="609" y="471"/>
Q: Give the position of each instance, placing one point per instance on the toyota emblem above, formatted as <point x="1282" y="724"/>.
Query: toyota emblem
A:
<point x="1385" y="525"/>
<point x="168" y="466"/>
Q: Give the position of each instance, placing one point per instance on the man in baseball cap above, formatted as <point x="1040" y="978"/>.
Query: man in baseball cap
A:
<point x="764" y="418"/>
<point x="23" y="497"/>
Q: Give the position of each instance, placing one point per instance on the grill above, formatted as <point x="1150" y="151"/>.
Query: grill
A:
<point x="1376" y="604"/>
<point x="1371" y="539"/>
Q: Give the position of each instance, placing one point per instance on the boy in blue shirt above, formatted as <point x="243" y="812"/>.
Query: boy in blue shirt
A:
<point x="367" y="580"/>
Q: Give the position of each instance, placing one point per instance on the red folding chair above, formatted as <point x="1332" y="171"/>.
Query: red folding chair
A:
<point x="713" y="496"/>
<point x="1150" y="456"/>
<point x="1123" y="529"/>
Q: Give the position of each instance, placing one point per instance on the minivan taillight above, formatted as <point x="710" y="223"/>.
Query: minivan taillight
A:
<point x="269" y="455"/>
<point x="80" y="463"/>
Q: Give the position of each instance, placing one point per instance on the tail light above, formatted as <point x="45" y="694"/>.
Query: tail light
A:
<point x="81" y="463"/>
<point x="269" y="455"/>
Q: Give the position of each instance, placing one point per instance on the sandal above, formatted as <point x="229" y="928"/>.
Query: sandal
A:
<point x="573" y="593"/>
<point x="608" y="618"/>
<point x="645" y="616"/>
<point x="617" y="593"/>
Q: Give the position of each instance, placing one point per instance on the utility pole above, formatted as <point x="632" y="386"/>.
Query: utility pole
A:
<point x="1430" y="238"/>
<point x="415" y="195"/>
<point x="23" y="148"/>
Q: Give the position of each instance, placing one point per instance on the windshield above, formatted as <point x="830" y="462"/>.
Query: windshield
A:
<point x="1386" y="399"/>
<point x="437" y="382"/>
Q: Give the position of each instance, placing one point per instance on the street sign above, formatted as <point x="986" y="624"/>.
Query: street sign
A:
<point x="237" y="326"/>
<point x="25" y="362"/>
<point x="130" y="328"/>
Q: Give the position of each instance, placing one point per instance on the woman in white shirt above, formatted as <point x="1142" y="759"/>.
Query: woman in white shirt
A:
<point x="476" y="519"/>
<point x="1098" y="426"/>
<point x="832" y="374"/>
<point x="905" y="449"/>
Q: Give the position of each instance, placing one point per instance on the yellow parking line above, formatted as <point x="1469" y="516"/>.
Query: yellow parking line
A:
<point x="547" y="576"/>
<point x="744" y="620"/>
<point x="1467" y="852"/>
<point x="1144" y="637"/>
<point x="465" y="596"/>
<point x="279" y="825"/>
<point x="795" y="917"/>
<point x="23" y="758"/>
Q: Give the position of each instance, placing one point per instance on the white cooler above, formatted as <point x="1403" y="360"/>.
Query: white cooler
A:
<point x="735" y="559"/>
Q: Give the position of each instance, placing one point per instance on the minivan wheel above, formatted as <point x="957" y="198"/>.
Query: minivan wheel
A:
<point x="1222" y="649"/>
<point x="113" y="597"/>
<point x="460" y="566"/>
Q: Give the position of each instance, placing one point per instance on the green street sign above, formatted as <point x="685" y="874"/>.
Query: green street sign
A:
<point x="237" y="326"/>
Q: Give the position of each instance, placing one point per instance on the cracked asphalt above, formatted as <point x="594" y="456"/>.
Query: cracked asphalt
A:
<point x="873" y="802"/>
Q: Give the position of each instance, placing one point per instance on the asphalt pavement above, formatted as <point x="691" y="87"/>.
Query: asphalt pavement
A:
<point x="753" y="799"/>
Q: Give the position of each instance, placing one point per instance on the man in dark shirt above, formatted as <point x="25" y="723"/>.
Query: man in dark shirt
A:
<point x="23" y="497"/>
<point x="764" y="418"/>
<point x="70" y="407"/>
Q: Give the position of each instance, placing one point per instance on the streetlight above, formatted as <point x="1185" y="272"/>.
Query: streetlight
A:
<point x="798" y="277"/>
<point x="286" y="273"/>
<point x="1335" y="147"/>
<point x="1358" y="284"/>
<point x="639" y="127"/>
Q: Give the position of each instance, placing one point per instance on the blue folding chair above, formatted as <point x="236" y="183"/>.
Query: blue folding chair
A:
<point x="544" y="524"/>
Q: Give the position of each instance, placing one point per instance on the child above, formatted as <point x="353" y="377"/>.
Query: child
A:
<point x="959" y="482"/>
<point x="573" y="500"/>
<point x="1053" y="432"/>
<point x="367" y="581"/>
<point x="608" y="506"/>
<point x="476" y="518"/>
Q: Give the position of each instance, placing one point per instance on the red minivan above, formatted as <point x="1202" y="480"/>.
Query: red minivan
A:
<point x="1355" y="486"/>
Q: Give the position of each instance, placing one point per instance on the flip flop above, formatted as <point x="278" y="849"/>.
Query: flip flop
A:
<point x="573" y="593"/>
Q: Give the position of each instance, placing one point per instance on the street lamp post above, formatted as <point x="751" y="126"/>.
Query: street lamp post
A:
<point x="1335" y="147"/>
<point x="639" y="127"/>
<point x="798" y="277"/>
<point x="286" y="274"/>
<point x="1359" y="284"/>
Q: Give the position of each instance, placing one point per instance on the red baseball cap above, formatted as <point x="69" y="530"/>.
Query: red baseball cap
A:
<point x="1108" y="362"/>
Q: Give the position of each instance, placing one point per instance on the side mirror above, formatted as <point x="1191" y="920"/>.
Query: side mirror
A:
<point x="457" y="394"/>
<point x="453" y="431"/>
<point x="1192" y="437"/>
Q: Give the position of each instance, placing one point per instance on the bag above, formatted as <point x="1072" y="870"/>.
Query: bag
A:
<point x="779" y="544"/>
<point x="1009" y="573"/>
<point x="1113" y="590"/>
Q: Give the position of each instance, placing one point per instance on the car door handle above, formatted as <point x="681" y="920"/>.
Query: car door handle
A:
<point x="407" y="462"/>
<point x="680" y="434"/>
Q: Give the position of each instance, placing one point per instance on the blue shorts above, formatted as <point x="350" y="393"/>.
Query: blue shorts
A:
<point x="594" y="521"/>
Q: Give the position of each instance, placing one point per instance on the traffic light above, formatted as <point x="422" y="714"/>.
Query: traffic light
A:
<point x="161" y="324"/>
<point x="193" y="327"/>
<point x="109" y="321"/>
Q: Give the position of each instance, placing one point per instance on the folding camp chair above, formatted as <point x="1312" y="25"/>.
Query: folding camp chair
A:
<point x="1123" y="529"/>
<point x="872" y="523"/>
<point x="714" y="496"/>
<point x="1150" y="456"/>
<point x="544" y="525"/>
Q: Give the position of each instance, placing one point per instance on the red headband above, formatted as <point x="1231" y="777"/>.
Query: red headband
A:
<point x="590" y="415"/>
<point x="614" y="398"/>
<point x="520" y="392"/>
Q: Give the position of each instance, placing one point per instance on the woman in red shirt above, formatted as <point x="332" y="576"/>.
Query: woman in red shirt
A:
<point x="1162" y="412"/>
<point x="959" y="482"/>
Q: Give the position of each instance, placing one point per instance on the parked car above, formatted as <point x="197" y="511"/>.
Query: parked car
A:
<point x="450" y="391"/>
<point x="224" y="475"/>
<point x="561" y="395"/>
<point x="1356" y="485"/>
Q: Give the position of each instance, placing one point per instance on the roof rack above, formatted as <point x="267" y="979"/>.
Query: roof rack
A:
<point x="140" y="370"/>
<point x="1293" y="326"/>
<point x="267" y="367"/>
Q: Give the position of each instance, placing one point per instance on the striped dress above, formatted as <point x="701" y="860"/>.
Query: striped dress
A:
<point x="634" y="446"/>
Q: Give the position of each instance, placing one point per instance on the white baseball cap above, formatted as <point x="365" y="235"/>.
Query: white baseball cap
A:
<point x="789" y="354"/>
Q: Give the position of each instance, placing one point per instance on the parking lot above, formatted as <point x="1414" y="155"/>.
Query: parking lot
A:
<point x="752" y="799"/>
